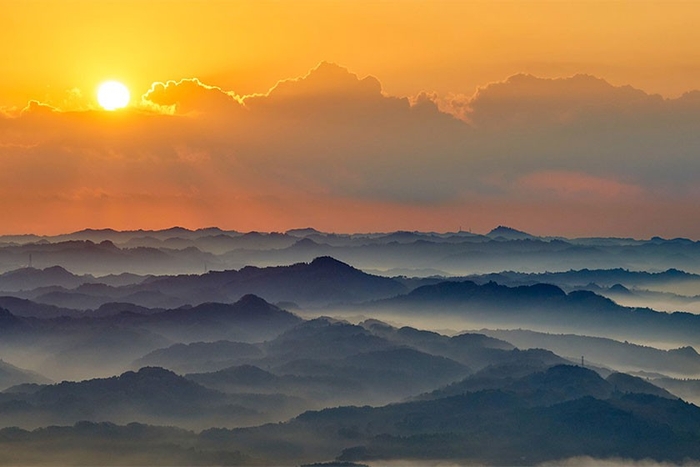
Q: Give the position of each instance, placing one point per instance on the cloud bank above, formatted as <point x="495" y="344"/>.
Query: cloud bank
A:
<point x="573" y="156"/>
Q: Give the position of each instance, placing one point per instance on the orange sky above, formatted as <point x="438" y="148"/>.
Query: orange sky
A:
<point x="412" y="147"/>
<point x="53" y="46"/>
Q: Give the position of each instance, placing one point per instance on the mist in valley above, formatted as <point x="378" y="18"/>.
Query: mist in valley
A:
<point x="182" y="359"/>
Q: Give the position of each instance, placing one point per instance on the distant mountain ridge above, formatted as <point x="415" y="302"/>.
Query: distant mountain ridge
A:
<point x="179" y="250"/>
<point x="508" y="233"/>
<point x="321" y="282"/>
<point x="597" y="350"/>
<point x="574" y="409"/>
<point x="292" y="348"/>
<point x="542" y="305"/>
<point x="150" y="394"/>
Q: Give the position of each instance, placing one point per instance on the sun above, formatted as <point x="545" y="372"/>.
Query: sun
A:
<point x="113" y="95"/>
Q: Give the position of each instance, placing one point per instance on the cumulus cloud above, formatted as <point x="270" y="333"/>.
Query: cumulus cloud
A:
<point x="329" y="92"/>
<point x="37" y="107"/>
<point x="328" y="79"/>
<point x="528" y="100"/>
<point x="330" y="141"/>
<point x="190" y="95"/>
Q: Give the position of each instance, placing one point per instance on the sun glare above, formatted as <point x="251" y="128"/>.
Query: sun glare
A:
<point x="113" y="95"/>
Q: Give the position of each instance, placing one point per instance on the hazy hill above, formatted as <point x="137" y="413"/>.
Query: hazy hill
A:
<point x="687" y="389"/>
<point x="178" y="250"/>
<point x="11" y="375"/>
<point x="324" y="338"/>
<point x="82" y="351"/>
<point x="103" y="258"/>
<point x="382" y="376"/>
<point x="620" y="355"/>
<point x="377" y="363"/>
<point x="541" y="307"/>
<point x="506" y="233"/>
<point x="250" y="319"/>
<point x="149" y="395"/>
<point x="583" y="277"/>
<point x="338" y="361"/>
<point x="322" y="281"/>
<point x="493" y="427"/>
<point x="201" y="356"/>
<point x="32" y="278"/>
<point x="625" y="383"/>
<point x="241" y="378"/>
<point x="308" y="392"/>
<point x="486" y="427"/>
<point x="29" y="308"/>
<point x="80" y="347"/>
<point x="87" y="443"/>
<point x="473" y="350"/>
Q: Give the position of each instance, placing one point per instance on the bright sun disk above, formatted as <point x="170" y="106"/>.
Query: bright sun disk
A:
<point x="113" y="95"/>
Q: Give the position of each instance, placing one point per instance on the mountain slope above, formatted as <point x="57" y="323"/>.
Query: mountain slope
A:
<point x="542" y="306"/>
<point x="150" y="395"/>
<point x="493" y="427"/>
<point x="322" y="281"/>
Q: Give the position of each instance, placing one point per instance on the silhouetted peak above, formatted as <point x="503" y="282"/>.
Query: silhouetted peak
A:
<point x="375" y="323"/>
<point x="673" y="272"/>
<point x="7" y="318"/>
<point x="303" y="232"/>
<point x="108" y="244"/>
<point x="152" y="372"/>
<point x="625" y="383"/>
<point x="543" y="290"/>
<point x="620" y="289"/>
<point x="508" y="233"/>
<point x="54" y="271"/>
<point x="329" y="263"/>
<point x="305" y="243"/>
<point x="468" y="288"/>
<point x="216" y="231"/>
<point x="249" y="307"/>
<point x="574" y="381"/>
<point x="321" y="322"/>
<point x="323" y="327"/>
<point x="686" y="351"/>
<point x="57" y="270"/>
<point x="581" y="296"/>
<point x="253" y="301"/>
<point x="176" y="230"/>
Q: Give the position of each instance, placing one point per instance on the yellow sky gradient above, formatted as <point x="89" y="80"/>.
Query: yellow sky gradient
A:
<point x="51" y="47"/>
<point x="558" y="117"/>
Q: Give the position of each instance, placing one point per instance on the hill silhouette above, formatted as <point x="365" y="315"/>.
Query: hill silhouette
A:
<point x="322" y="281"/>
<point x="507" y="233"/>
<point x="499" y="426"/>
<point x="150" y="394"/>
<point x="543" y="306"/>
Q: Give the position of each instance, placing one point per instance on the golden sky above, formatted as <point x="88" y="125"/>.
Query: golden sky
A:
<point x="557" y="117"/>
